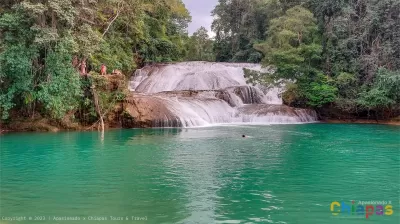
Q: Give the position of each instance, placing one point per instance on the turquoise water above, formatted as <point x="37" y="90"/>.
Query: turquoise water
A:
<point x="280" y="174"/>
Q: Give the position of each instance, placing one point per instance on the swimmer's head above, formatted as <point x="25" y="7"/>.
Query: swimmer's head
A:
<point x="244" y="136"/>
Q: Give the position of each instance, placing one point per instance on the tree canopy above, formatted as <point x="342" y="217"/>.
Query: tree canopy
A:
<point x="45" y="44"/>
<point x="329" y="52"/>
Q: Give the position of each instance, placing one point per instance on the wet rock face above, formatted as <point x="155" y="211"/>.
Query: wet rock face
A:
<point x="146" y="111"/>
<point x="246" y="94"/>
<point x="282" y="113"/>
<point x="199" y="108"/>
<point x="173" y="109"/>
<point x="201" y="93"/>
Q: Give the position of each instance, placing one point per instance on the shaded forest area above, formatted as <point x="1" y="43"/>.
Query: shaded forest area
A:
<point x="47" y="48"/>
<point x="341" y="57"/>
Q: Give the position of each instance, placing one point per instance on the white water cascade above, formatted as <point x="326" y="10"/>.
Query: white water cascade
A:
<point x="190" y="94"/>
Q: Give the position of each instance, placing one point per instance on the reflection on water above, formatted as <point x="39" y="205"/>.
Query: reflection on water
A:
<point x="282" y="174"/>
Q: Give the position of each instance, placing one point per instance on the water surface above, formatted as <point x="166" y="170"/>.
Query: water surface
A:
<point x="280" y="174"/>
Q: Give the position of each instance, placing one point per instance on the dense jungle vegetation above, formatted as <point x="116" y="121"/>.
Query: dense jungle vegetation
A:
<point x="344" y="54"/>
<point x="48" y="46"/>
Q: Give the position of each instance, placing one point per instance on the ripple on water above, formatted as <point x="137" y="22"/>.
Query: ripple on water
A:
<point x="284" y="174"/>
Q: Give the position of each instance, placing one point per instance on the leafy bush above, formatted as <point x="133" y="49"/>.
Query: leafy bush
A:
<point x="320" y="93"/>
<point x="384" y="92"/>
<point x="60" y="91"/>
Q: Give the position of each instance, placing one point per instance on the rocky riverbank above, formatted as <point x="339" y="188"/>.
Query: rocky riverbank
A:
<point x="363" y="121"/>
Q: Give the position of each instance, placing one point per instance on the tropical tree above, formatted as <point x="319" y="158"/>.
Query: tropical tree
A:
<point x="45" y="45"/>
<point x="293" y="48"/>
<point x="200" y="46"/>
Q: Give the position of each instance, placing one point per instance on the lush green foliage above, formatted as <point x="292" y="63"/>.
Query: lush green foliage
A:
<point x="361" y="49"/>
<point x="293" y="48"/>
<point x="384" y="92"/>
<point x="336" y="53"/>
<point x="200" y="46"/>
<point x="60" y="91"/>
<point x="238" y="25"/>
<point x="45" y="45"/>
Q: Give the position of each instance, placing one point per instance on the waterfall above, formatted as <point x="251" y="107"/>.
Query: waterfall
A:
<point x="191" y="94"/>
<point x="190" y="76"/>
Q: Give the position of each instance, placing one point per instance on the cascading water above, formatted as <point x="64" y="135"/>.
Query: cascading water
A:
<point x="192" y="94"/>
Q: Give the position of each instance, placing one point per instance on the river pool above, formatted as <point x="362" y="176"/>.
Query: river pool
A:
<point x="278" y="174"/>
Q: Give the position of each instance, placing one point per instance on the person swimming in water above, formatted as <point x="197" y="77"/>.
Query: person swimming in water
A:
<point x="244" y="136"/>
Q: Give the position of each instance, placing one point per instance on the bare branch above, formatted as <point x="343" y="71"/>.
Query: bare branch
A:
<point x="112" y="21"/>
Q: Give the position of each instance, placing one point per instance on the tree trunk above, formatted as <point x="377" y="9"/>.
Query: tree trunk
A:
<point x="98" y="109"/>
<point x="82" y="69"/>
<point x="53" y="20"/>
